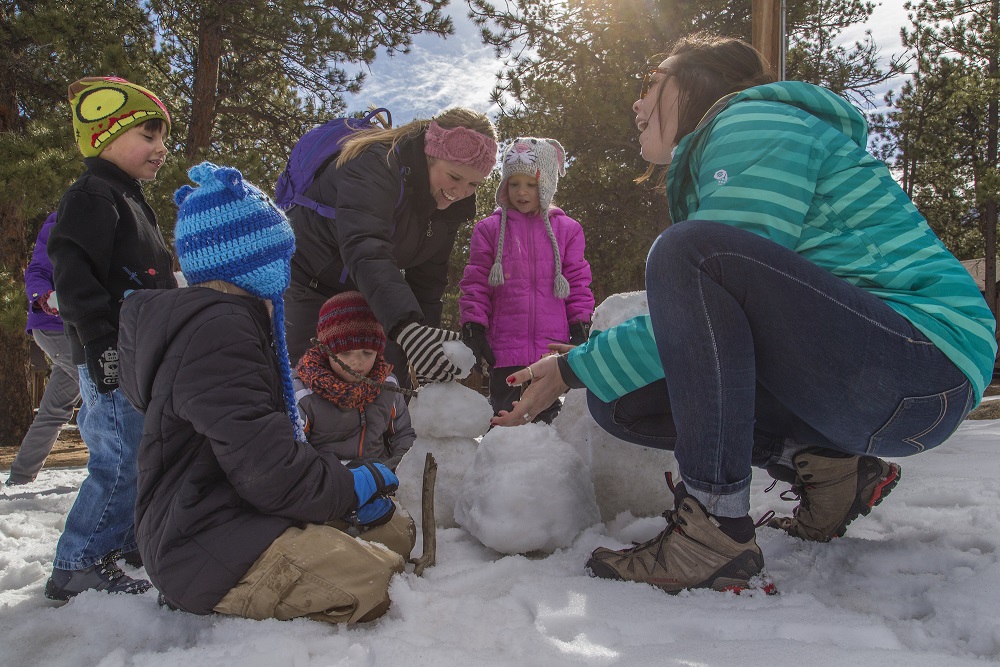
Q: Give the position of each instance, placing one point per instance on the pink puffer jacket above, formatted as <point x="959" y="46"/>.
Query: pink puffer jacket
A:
<point x="522" y="316"/>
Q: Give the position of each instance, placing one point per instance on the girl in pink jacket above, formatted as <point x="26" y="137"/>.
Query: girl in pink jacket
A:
<point x="527" y="283"/>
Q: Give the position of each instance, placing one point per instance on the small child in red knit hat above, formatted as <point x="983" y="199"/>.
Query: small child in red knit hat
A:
<point x="346" y="392"/>
<point x="351" y="403"/>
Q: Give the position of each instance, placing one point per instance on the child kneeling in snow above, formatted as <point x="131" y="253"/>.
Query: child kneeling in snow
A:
<point x="232" y="503"/>
<point x="349" y="399"/>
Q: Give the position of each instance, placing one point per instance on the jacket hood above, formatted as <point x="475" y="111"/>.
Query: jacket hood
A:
<point x="150" y="322"/>
<point x="825" y="105"/>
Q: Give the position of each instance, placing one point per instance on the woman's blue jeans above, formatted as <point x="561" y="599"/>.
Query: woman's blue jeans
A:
<point x="102" y="518"/>
<point x="766" y="353"/>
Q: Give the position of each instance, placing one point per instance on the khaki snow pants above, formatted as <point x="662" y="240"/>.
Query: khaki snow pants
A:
<point x="323" y="573"/>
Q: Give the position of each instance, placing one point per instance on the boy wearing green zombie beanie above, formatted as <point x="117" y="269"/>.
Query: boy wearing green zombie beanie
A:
<point x="104" y="244"/>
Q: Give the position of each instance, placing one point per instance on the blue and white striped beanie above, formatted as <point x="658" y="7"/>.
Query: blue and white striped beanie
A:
<point x="229" y="230"/>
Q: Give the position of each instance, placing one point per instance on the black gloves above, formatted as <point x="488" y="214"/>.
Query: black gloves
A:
<point x="424" y="350"/>
<point x="474" y="335"/>
<point x="579" y="332"/>
<point x="102" y="362"/>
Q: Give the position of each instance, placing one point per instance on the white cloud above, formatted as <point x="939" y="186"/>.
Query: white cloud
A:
<point x="426" y="81"/>
<point x="436" y="74"/>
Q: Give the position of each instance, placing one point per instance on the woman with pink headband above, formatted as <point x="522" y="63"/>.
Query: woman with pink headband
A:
<point x="400" y="196"/>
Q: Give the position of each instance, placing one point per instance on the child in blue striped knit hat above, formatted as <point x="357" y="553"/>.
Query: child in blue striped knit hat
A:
<point x="230" y="233"/>
<point x="228" y="490"/>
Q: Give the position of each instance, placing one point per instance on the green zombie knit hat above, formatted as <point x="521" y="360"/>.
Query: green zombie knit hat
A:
<point x="104" y="107"/>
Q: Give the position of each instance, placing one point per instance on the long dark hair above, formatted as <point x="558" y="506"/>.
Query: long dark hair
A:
<point x="705" y="69"/>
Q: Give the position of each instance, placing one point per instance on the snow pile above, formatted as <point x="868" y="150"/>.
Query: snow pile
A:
<point x="626" y="477"/>
<point x="912" y="585"/>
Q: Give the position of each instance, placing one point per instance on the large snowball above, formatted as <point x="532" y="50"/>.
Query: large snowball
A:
<point x="528" y="490"/>
<point x="625" y="476"/>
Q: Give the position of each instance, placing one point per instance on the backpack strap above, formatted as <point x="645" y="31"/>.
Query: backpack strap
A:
<point x="330" y="212"/>
<point x="322" y="209"/>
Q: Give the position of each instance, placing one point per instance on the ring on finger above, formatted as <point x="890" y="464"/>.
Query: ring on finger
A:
<point x="527" y="416"/>
<point x="531" y="374"/>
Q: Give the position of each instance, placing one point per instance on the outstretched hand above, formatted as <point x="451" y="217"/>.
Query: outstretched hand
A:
<point x="546" y="386"/>
<point x="560" y="348"/>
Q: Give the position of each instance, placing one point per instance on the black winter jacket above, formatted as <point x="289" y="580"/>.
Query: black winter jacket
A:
<point x="220" y="474"/>
<point x="104" y="243"/>
<point x="374" y="238"/>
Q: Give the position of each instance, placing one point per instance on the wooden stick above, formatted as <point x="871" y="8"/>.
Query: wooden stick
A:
<point x="427" y="523"/>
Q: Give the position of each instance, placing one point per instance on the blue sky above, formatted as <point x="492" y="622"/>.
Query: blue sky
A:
<point x="460" y="71"/>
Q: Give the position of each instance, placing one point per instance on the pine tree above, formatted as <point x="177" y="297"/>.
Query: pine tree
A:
<point x="45" y="45"/>
<point x="945" y="129"/>
<point x="816" y="54"/>
<point x="270" y="69"/>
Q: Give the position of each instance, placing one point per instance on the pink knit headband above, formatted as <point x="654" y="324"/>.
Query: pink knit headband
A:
<point x="461" y="145"/>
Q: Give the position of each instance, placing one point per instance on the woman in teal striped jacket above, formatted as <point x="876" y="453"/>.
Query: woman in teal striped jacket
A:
<point x="803" y="318"/>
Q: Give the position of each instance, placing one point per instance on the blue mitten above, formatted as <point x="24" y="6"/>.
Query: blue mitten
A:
<point x="373" y="482"/>
<point x="376" y="513"/>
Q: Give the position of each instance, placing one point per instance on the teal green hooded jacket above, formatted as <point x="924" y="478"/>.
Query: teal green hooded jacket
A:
<point x="788" y="161"/>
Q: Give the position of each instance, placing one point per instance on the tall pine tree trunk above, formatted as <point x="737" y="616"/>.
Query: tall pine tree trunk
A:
<point x="990" y="209"/>
<point x="15" y="407"/>
<point x="206" y="82"/>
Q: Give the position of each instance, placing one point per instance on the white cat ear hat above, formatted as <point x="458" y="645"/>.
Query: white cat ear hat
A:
<point x="545" y="161"/>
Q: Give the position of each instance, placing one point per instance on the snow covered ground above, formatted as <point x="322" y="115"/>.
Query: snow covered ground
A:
<point x="914" y="584"/>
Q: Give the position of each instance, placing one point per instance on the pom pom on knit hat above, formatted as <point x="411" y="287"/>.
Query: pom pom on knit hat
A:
<point x="545" y="161"/>
<point x="347" y="323"/>
<point x="105" y="107"/>
<point x="229" y="230"/>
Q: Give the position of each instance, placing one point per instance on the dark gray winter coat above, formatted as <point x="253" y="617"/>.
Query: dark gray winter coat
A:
<point x="377" y="233"/>
<point x="220" y="474"/>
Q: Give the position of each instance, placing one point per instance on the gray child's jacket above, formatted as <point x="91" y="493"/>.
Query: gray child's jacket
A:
<point x="379" y="431"/>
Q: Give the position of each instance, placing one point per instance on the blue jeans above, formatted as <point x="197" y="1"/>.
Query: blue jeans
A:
<point x="103" y="517"/>
<point x="766" y="354"/>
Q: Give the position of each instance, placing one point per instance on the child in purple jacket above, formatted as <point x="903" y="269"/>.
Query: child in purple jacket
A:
<point x="527" y="283"/>
<point x="62" y="390"/>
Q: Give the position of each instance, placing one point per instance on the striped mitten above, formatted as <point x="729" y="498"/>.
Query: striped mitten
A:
<point x="424" y="349"/>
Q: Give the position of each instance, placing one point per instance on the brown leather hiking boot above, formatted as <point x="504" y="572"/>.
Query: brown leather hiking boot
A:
<point x="833" y="491"/>
<point x="691" y="552"/>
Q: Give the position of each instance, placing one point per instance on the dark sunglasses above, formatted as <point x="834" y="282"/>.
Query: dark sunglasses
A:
<point x="647" y="75"/>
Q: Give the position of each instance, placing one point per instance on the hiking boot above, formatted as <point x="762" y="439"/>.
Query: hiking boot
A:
<point x="691" y="552"/>
<point x="833" y="490"/>
<point x="132" y="558"/>
<point x="104" y="575"/>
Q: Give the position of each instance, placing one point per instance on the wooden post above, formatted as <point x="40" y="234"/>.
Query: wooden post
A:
<point x="767" y="34"/>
